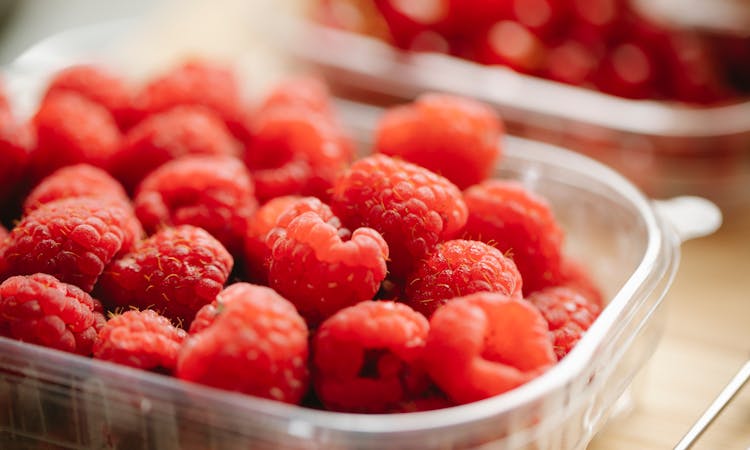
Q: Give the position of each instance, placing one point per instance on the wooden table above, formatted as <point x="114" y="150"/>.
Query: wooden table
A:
<point x="707" y="339"/>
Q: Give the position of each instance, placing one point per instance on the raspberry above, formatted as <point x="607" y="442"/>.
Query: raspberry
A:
<point x="568" y="313"/>
<point x="576" y="277"/>
<point x="320" y="271"/>
<point x="257" y="344"/>
<point x="16" y="143"/>
<point x="175" y="272"/>
<point x="264" y="220"/>
<point x="456" y="137"/>
<point x="80" y="180"/>
<point x="294" y="150"/>
<point x="3" y="236"/>
<point x="140" y="339"/>
<point x="70" y="130"/>
<point x="98" y="85"/>
<point x="304" y="91"/>
<point x="365" y="357"/>
<point x="458" y="268"/>
<point x="197" y="83"/>
<point x="485" y="344"/>
<point x="72" y="239"/>
<point x="410" y="206"/>
<point x="166" y="136"/>
<point x="520" y="224"/>
<point x="40" y="309"/>
<point x="211" y="192"/>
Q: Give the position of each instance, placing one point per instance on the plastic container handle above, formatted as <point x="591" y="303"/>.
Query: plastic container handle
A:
<point x="690" y="217"/>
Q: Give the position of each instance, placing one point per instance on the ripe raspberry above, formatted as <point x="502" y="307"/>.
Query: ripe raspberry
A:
<point x="175" y="272"/>
<point x="42" y="310"/>
<point x="140" y="339"/>
<point x="305" y="91"/>
<point x="568" y="313"/>
<point x="99" y="85"/>
<point x="72" y="239"/>
<point x="410" y="206"/>
<point x="3" y="236"/>
<point x="166" y="136"/>
<point x="257" y="344"/>
<point x="197" y="83"/>
<point x="458" y="268"/>
<point x="80" y="180"/>
<point x="485" y="344"/>
<point x="294" y="150"/>
<point x="520" y="224"/>
<point x="321" y="271"/>
<point x="576" y="277"/>
<point x="211" y="192"/>
<point x="264" y="220"/>
<point x="16" y="143"/>
<point x="365" y="357"/>
<point x="456" y="137"/>
<point x="70" y="130"/>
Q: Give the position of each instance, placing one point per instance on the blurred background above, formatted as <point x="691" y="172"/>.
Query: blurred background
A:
<point x="23" y="23"/>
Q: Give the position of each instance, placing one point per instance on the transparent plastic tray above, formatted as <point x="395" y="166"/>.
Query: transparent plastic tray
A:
<point x="665" y="148"/>
<point x="50" y="399"/>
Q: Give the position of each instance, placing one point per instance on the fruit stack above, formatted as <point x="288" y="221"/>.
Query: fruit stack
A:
<point x="606" y="45"/>
<point x="175" y="228"/>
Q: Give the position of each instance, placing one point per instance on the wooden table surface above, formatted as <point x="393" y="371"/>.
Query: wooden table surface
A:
<point x="706" y="340"/>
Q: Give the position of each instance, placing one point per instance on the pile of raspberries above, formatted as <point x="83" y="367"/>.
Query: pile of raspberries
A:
<point x="175" y="227"/>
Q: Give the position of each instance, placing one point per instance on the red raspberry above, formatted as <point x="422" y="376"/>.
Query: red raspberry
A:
<point x="198" y="83"/>
<point x="520" y="224"/>
<point x="16" y="143"/>
<point x="458" y="268"/>
<point x="211" y="192"/>
<point x="72" y="239"/>
<point x="42" y="310"/>
<point x="70" y="130"/>
<point x="321" y="271"/>
<point x="294" y="150"/>
<point x="575" y="276"/>
<point x="80" y="180"/>
<point x="162" y="137"/>
<point x="3" y="236"/>
<point x="365" y="357"/>
<point x="264" y="220"/>
<point x="456" y="137"/>
<point x="98" y="85"/>
<point x="175" y="271"/>
<point x="257" y="344"/>
<point x="140" y="339"/>
<point x="568" y="313"/>
<point x="410" y="206"/>
<point x="485" y="344"/>
<point x="304" y="91"/>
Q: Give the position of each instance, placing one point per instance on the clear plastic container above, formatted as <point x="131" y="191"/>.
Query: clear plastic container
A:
<point x="665" y="148"/>
<point x="50" y="399"/>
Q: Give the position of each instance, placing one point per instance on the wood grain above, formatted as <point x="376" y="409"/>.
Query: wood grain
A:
<point x="707" y="339"/>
